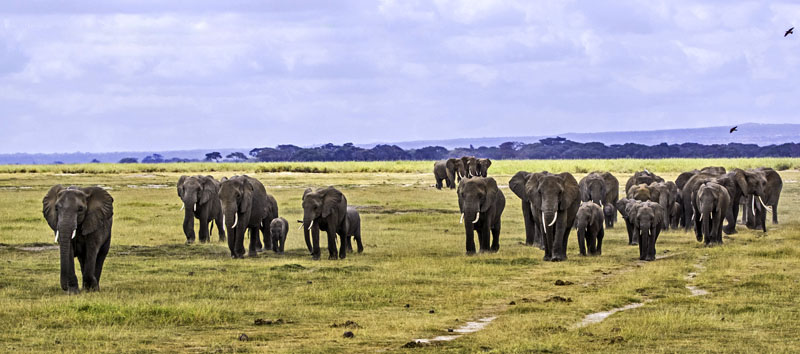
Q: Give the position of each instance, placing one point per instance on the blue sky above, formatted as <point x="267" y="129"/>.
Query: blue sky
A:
<point x="181" y="74"/>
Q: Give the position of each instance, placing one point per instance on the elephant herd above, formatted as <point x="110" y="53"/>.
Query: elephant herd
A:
<point x="453" y="170"/>
<point x="554" y="204"/>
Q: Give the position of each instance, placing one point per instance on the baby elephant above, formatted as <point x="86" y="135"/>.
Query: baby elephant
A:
<point x="589" y="222"/>
<point x="353" y="229"/>
<point x="278" y="229"/>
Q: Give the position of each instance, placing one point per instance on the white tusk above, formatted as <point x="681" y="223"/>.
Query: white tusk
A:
<point x="223" y="220"/>
<point x="765" y="206"/>
<point x="543" y="229"/>
<point x="478" y="216"/>
<point x="310" y="225"/>
<point x="301" y="226"/>
<point x="235" y="220"/>
<point x="183" y="206"/>
<point x="753" y="207"/>
<point x="554" y="219"/>
<point x="462" y="219"/>
<point x="194" y="208"/>
<point x="56" y="240"/>
<point x="73" y="233"/>
<point x="701" y="217"/>
<point x="601" y="204"/>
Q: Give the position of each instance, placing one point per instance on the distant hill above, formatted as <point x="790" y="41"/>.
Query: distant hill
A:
<point x="748" y="133"/>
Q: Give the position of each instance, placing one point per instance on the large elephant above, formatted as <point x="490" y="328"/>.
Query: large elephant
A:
<point x="200" y="197"/>
<point x="642" y="177"/>
<point x="481" y="204"/>
<point x="661" y="193"/>
<point x="688" y="194"/>
<point x="558" y="198"/>
<point x="471" y="166"/>
<point x="684" y="177"/>
<point x="354" y="229"/>
<point x="482" y="167"/>
<point x="451" y="171"/>
<point x="757" y="207"/>
<point x="712" y="202"/>
<point x="325" y="209"/>
<point x="589" y="222"/>
<point x="647" y="225"/>
<point x="739" y="183"/>
<point x="602" y="188"/>
<point x="81" y="219"/>
<point x="246" y="206"/>
<point x="526" y="185"/>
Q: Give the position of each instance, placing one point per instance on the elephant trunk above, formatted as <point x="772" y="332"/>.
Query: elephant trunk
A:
<point x="705" y="219"/>
<point x="65" y="231"/>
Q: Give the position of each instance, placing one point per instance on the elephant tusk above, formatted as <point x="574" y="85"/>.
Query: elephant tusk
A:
<point x="56" y="240"/>
<point x="701" y="218"/>
<point x="235" y="220"/>
<point x="183" y="206"/>
<point x="223" y="220"/>
<point x="310" y="225"/>
<point x="601" y="204"/>
<point x="765" y="206"/>
<point x="477" y="217"/>
<point x="194" y="208"/>
<point x="753" y="207"/>
<point x="554" y="219"/>
<point x="462" y="219"/>
<point x="301" y="226"/>
<point x="73" y="233"/>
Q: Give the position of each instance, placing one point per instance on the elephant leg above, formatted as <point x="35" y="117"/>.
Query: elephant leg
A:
<point x="438" y="183"/>
<point x="548" y="243"/>
<point x="730" y="216"/>
<point x="483" y="236"/>
<point x="470" y="238"/>
<point x="220" y="227"/>
<point x="315" y="251"/>
<point x="775" y="213"/>
<point x="101" y="258"/>
<point x="591" y="242"/>
<point x="188" y="226"/>
<point x="642" y="247"/>
<point x="600" y="236"/>
<point x="203" y="232"/>
<point x="358" y="240"/>
<point x="349" y="244"/>
<point x="582" y="240"/>
<point x="629" y="227"/>
<point x="561" y="231"/>
<point x="529" y="225"/>
<point x="496" y="237"/>
<point x="88" y="269"/>
<point x="268" y="242"/>
<point x="239" y="247"/>
<point x="231" y="240"/>
<point x="332" y="243"/>
<point x="344" y="242"/>
<point x="252" y="249"/>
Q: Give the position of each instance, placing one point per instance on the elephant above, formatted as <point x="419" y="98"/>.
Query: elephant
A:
<point x="482" y="167"/>
<point x="647" y="225"/>
<point x="440" y="174"/>
<point x="687" y="196"/>
<point x="640" y="192"/>
<point x="278" y="229"/>
<point x="246" y="206"/>
<point x="81" y="219"/>
<point x="628" y="207"/>
<point x="448" y="170"/>
<point x="676" y="211"/>
<point x="558" y="198"/>
<point x="325" y="209"/>
<point x="739" y="183"/>
<point x="684" y="177"/>
<point x="712" y="202"/>
<point x="756" y="212"/>
<point x="602" y="188"/>
<point x="200" y="197"/>
<point x="471" y="166"/>
<point x="717" y="170"/>
<point x="480" y="196"/>
<point x="525" y="185"/>
<point x="661" y="193"/>
<point x="642" y="177"/>
<point x="589" y="221"/>
<point x="354" y="229"/>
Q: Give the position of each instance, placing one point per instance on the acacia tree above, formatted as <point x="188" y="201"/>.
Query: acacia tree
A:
<point x="216" y="156"/>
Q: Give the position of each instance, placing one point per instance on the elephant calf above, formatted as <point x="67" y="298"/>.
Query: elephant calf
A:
<point x="353" y="229"/>
<point x="278" y="229"/>
<point x="627" y="207"/>
<point x="481" y="204"/>
<point x="648" y="221"/>
<point x="589" y="222"/>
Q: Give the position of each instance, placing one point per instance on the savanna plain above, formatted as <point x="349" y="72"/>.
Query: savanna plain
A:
<point x="412" y="281"/>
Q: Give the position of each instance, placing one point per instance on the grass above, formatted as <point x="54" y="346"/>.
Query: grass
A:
<point x="160" y="295"/>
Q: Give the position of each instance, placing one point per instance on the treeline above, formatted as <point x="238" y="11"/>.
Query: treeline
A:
<point x="546" y="149"/>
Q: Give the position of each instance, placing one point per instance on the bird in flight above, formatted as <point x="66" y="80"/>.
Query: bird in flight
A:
<point x="734" y="129"/>
<point x="788" y="32"/>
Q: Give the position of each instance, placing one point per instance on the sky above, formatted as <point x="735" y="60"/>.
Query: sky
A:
<point x="150" y="75"/>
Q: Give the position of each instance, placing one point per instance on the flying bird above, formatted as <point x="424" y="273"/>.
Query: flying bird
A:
<point x="734" y="129"/>
<point x="788" y="32"/>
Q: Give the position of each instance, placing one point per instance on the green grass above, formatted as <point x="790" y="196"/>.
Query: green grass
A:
<point x="160" y="295"/>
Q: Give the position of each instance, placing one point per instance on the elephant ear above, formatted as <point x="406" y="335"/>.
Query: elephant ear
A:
<point x="517" y="184"/>
<point x="571" y="193"/>
<point x="209" y="189"/>
<point x="305" y="193"/>
<point x="247" y="195"/>
<point x="458" y="192"/>
<point x="331" y="201"/>
<point x="99" y="209"/>
<point x="450" y="164"/>
<point x="659" y="211"/>
<point x="741" y="180"/>
<point x="584" y="189"/>
<point x="180" y="185"/>
<point x="488" y="163"/>
<point x="491" y="194"/>
<point x="49" y="206"/>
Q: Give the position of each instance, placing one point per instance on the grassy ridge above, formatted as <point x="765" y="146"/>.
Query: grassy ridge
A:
<point x="160" y="295"/>
<point x="498" y="166"/>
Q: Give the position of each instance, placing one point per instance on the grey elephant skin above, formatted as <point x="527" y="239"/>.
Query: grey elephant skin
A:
<point x="756" y="208"/>
<point x="647" y="225"/>
<point x="481" y="204"/>
<point x="589" y="223"/>
<point x="712" y="201"/>
<point x="558" y="198"/>
<point x="325" y="209"/>
<point x="81" y="219"/>
<point x="200" y="197"/>
<point x="526" y="185"/>
<point x="642" y="177"/>
<point x="602" y="188"/>
<point x="448" y="171"/>
<point x="246" y="206"/>
<point x="354" y="229"/>
<point x="278" y="230"/>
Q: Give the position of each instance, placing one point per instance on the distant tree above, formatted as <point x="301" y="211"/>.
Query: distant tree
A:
<point x="95" y="161"/>
<point x="237" y="156"/>
<point x="58" y="163"/>
<point x="216" y="156"/>
<point x="129" y="160"/>
<point x="154" y="158"/>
